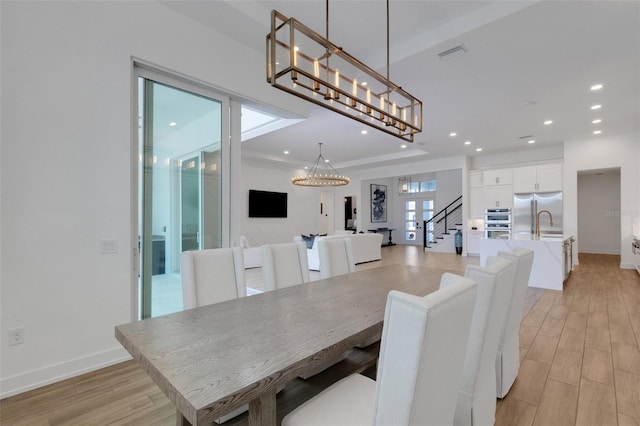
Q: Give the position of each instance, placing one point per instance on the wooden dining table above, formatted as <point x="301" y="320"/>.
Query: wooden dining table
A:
<point x="216" y="358"/>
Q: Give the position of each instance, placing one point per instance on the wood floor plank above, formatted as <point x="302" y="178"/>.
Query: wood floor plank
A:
<point x="622" y="333"/>
<point x="598" y="319"/>
<point x="597" y="366"/>
<point x="628" y="393"/>
<point x="572" y="339"/>
<point x="566" y="367"/>
<point x="528" y="334"/>
<point x="543" y="348"/>
<point x="530" y="382"/>
<point x="535" y="318"/>
<point x="559" y="311"/>
<point x="558" y="406"/>
<point x="515" y="413"/>
<point x="624" y="420"/>
<point x="552" y="326"/>
<point x="626" y="358"/>
<point x="576" y="320"/>
<point x="580" y="306"/>
<point x="596" y="404"/>
<point x="598" y="338"/>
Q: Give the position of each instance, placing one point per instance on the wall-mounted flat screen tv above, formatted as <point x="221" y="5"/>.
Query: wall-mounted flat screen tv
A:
<point x="267" y="204"/>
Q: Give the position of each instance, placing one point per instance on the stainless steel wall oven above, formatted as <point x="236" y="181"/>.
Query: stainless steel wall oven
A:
<point x="497" y="223"/>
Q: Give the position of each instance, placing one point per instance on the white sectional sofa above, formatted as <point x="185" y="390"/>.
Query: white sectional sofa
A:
<point x="365" y="247"/>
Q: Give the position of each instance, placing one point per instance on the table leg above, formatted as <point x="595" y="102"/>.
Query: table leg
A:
<point x="262" y="410"/>
<point x="181" y="420"/>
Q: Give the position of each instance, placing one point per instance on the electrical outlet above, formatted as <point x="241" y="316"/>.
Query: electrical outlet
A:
<point x="108" y="246"/>
<point x="16" y="336"/>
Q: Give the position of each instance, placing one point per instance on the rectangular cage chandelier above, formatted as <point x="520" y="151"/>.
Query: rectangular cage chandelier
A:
<point x="306" y="64"/>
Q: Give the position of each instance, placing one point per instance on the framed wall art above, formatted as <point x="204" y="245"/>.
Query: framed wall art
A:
<point x="378" y="203"/>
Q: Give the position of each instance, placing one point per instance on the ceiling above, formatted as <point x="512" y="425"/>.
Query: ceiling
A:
<point x="526" y="63"/>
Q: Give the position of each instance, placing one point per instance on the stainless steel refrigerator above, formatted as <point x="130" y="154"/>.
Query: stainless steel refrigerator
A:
<point x="526" y="207"/>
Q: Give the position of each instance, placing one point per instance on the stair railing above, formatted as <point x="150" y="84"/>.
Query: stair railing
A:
<point x="443" y="215"/>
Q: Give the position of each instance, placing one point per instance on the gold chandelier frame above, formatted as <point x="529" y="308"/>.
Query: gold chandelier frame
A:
<point x="316" y="177"/>
<point x="298" y="63"/>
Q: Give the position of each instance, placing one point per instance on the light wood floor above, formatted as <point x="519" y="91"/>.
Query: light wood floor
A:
<point x="579" y="350"/>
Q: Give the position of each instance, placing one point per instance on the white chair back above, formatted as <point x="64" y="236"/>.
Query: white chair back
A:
<point x="336" y="257"/>
<point x="508" y="357"/>
<point x="422" y="352"/>
<point x="284" y="265"/>
<point x="477" y="399"/>
<point x="211" y="276"/>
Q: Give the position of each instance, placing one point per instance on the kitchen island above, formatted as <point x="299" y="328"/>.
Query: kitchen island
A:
<point x="548" y="270"/>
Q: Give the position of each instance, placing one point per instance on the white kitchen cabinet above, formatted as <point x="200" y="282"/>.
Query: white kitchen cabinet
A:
<point x="545" y="178"/>
<point x="476" y="203"/>
<point x="475" y="179"/>
<point x="473" y="242"/>
<point x="497" y="196"/>
<point x="497" y="177"/>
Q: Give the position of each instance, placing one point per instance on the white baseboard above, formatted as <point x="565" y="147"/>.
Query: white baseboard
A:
<point x="614" y="252"/>
<point x="33" y="379"/>
<point x="627" y="266"/>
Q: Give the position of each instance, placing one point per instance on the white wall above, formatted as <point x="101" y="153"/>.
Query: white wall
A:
<point x="67" y="168"/>
<point x="449" y="187"/>
<point x="598" y="213"/>
<point x="303" y="210"/>
<point x="613" y="151"/>
<point x="522" y="157"/>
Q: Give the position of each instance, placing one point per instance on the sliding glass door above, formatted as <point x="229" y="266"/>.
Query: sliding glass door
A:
<point x="180" y="202"/>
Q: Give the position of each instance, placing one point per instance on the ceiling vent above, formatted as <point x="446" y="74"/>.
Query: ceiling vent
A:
<point x="456" y="50"/>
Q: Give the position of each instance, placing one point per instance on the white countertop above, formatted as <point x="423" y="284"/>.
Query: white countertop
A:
<point x="532" y="237"/>
<point x="548" y="261"/>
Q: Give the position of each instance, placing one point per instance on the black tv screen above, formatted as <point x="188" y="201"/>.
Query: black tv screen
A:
<point x="267" y="204"/>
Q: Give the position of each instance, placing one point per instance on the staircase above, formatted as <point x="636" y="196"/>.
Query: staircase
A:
<point x="438" y="232"/>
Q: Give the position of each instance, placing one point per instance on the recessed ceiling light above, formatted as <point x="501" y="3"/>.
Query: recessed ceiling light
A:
<point x="532" y="141"/>
<point x="548" y="122"/>
<point x="364" y="132"/>
<point x="478" y="149"/>
<point x="403" y="146"/>
<point x="306" y="167"/>
<point x="326" y="161"/>
<point x="596" y="107"/>
<point x="467" y="142"/>
<point x="453" y="134"/>
<point x="286" y="152"/>
<point x="173" y="123"/>
<point x="596" y="87"/>
<point x="597" y="132"/>
<point x="364" y="83"/>
<point x="597" y="120"/>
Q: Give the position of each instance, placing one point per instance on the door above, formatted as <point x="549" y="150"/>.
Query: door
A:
<point x="181" y="129"/>
<point x="416" y="211"/>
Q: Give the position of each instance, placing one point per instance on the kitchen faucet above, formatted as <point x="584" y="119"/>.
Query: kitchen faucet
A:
<point x="538" y="221"/>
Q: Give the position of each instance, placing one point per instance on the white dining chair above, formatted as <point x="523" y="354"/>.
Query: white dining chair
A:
<point x="508" y="357"/>
<point x="422" y="352"/>
<point x="284" y="265"/>
<point x="212" y="276"/>
<point x="336" y="257"/>
<point x="477" y="397"/>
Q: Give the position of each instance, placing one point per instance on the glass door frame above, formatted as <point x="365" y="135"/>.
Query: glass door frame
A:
<point x="229" y="167"/>
<point x="419" y="212"/>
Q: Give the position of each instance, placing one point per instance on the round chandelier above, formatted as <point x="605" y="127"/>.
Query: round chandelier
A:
<point x="317" y="176"/>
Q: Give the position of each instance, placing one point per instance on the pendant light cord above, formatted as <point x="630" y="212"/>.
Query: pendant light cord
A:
<point x="388" y="79"/>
